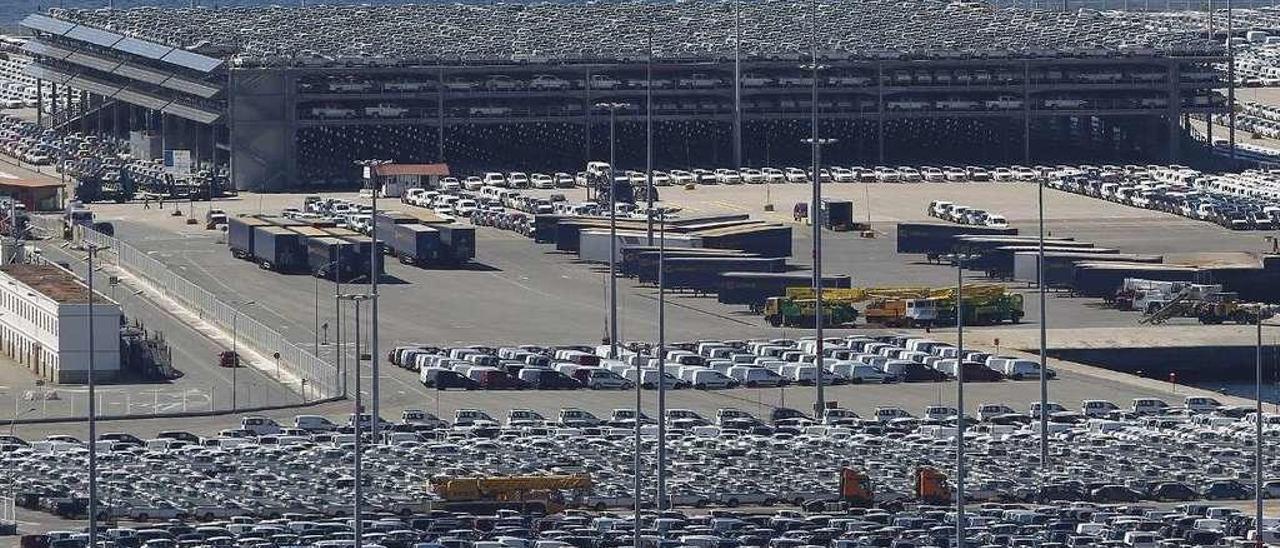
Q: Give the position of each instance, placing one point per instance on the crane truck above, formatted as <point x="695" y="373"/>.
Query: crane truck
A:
<point x="475" y="494"/>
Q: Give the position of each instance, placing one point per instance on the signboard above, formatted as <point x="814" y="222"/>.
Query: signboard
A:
<point x="177" y="161"/>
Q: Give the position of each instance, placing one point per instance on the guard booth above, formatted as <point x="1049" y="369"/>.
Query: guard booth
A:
<point x="397" y="178"/>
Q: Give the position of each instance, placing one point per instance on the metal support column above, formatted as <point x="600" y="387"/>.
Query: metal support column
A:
<point x="440" y="116"/>
<point x="737" y="85"/>
<point x="880" y="109"/>
<point x="1231" y="81"/>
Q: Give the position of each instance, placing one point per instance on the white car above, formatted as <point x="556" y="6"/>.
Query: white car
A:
<point x="518" y="180"/>
<point x="796" y="175"/>
<point x="541" y="180"/>
<point x="773" y="175"/>
<point x="682" y="177"/>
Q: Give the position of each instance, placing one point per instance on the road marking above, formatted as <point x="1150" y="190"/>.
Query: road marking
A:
<point x="7" y="175"/>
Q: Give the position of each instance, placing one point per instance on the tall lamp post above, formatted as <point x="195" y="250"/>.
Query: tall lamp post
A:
<point x="357" y="503"/>
<point x="961" y="256"/>
<point x="1262" y="312"/>
<point x="1044" y="356"/>
<point x="662" y="360"/>
<point x="815" y="213"/>
<point x="815" y="216"/>
<point x="375" y="259"/>
<point x="92" y="249"/>
<point x="235" y="351"/>
<point x="613" y="228"/>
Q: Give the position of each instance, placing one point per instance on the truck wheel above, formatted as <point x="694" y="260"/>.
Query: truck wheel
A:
<point x="732" y="503"/>
<point x="143" y="516"/>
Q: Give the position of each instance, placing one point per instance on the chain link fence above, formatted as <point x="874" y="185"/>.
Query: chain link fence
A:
<point x="315" y="378"/>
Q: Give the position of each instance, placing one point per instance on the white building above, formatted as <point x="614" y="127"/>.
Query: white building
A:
<point x="44" y="324"/>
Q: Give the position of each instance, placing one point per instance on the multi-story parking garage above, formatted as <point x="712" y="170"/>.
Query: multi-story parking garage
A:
<point x="291" y="96"/>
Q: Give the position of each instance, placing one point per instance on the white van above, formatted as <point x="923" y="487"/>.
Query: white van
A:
<point x="1201" y="404"/>
<point x="1097" y="408"/>
<point x="988" y="410"/>
<point x="886" y="414"/>
<point x="1019" y="369"/>
<point x="703" y="378"/>
<point x="1149" y="406"/>
<point x="753" y="377"/>
<point x="493" y="178"/>
<point x="260" y="426"/>
<point x="314" y="423"/>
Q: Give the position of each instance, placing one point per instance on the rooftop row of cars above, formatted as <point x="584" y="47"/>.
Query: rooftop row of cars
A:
<point x="1249" y="200"/>
<point x="706" y="364"/>
<point x="752" y="175"/>
<point x="965" y="215"/>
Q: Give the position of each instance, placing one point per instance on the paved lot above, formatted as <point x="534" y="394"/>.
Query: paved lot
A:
<point x="521" y="292"/>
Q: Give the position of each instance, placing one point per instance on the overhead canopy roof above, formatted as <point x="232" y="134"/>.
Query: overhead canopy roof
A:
<point x="119" y="42"/>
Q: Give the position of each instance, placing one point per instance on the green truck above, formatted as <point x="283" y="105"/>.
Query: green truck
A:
<point x="788" y="312"/>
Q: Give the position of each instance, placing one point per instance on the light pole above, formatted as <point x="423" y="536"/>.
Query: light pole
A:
<point x="662" y="361"/>
<point x="357" y="472"/>
<point x="92" y="249"/>
<point x="613" y="228"/>
<point x="1044" y="355"/>
<point x="648" y="137"/>
<point x="815" y="209"/>
<point x="1257" y="432"/>
<point x="815" y="217"/>
<point x="235" y="352"/>
<point x="961" y="257"/>
<point x="375" y="258"/>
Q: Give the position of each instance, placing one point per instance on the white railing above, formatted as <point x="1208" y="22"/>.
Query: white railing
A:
<point x="317" y="378"/>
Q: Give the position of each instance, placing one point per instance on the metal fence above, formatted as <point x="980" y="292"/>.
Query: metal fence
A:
<point x="316" y="378"/>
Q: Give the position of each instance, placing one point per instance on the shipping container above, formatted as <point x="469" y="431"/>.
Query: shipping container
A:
<point x="936" y="239"/>
<point x="765" y="240"/>
<point x="1059" y="267"/>
<point x="240" y="231"/>
<point x="702" y="274"/>
<point x="594" y="243"/>
<point x="754" y="288"/>
<point x="279" y="248"/>
<point x="458" y="243"/>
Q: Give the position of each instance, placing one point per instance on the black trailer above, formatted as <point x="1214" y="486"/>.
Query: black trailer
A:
<point x="937" y="239"/>
<point x="362" y="253"/>
<point x="414" y="244"/>
<point x="568" y="230"/>
<point x="754" y="288"/>
<point x="644" y="258"/>
<point x="702" y="274"/>
<point x="999" y="262"/>
<point x="1103" y="279"/>
<point x="1059" y="267"/>
<point x="458" y="243"/>
<point x="837" y="214"/>
<point x="278" y="248"/>
<point x="765" y="240"/>
<point x="334" y="258"/>
<point x="240" y="231"/>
